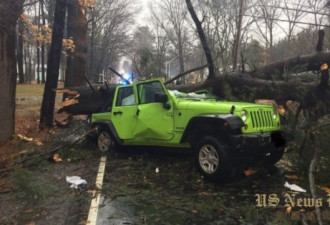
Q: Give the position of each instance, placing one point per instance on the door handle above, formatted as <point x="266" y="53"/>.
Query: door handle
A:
<point x="118" y="112"/>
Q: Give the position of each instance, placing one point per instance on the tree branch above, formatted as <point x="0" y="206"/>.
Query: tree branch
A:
<point x="184" y="73"/>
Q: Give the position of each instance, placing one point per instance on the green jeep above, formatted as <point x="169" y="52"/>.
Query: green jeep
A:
<point x="222" y="134"/>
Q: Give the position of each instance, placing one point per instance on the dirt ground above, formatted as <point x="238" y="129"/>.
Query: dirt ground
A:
<point x="178" y="194"/>
<point x="35" y="190"/>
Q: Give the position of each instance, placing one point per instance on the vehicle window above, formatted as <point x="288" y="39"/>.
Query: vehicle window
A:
<point x="125" y="97"/>
<point x="147" y="92"/>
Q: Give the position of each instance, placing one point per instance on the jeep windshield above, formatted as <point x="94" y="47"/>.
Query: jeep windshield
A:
<point x="204" y="94"/>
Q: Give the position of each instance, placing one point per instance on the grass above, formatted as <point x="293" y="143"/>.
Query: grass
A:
<point x="29" y="99"/>
<point x="27" y="186"/>
<point x="31" y="90"/>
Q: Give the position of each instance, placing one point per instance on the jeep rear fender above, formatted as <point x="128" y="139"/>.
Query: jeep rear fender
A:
<point x="224" y="122"/>
<point x="108" y="126"/>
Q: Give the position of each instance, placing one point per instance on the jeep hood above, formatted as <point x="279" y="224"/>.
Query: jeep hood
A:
<point x="218" y="106"/>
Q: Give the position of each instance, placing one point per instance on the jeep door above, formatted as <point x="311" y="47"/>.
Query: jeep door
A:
<point x="124" y="112"/>
<point x="154" y="121"/>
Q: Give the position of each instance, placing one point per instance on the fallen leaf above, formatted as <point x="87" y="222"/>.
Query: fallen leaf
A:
<point x="326" y="189"/>
<point x="57" y="158"/>
<point x="249" y="172"/>
<point x="24" y="138"/>
<point x="291" y="177"/>
<point x="288" y="210"/>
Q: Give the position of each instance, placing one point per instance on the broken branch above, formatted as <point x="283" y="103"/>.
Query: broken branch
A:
<point x="184" y="73"/>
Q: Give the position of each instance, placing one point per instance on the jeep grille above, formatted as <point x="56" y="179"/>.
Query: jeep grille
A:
<point x="261" y="119"/>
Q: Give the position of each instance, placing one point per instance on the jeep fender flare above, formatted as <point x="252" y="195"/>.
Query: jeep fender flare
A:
<point x="108" y="125"/>
<point x="224" y="122"/>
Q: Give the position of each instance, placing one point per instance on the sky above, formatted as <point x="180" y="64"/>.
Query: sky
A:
<point x="144" y="15"/>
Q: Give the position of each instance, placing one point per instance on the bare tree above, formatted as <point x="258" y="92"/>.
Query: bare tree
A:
<point x="266" y="13"/>
<point x="172" y="17"/>
<point x="110" y="22"/>
<point x="143" y="52"/>
<point x="293" y="13"/>
<point x="226" y="29"/>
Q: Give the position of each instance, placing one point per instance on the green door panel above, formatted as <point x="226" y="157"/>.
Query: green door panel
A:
<point x="124" y="112"/>
<point x="153" y="122"/>
<point x="124" y="119"/>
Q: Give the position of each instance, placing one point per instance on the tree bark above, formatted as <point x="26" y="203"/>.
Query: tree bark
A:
<point x="48" y="101"/>
<point x="43" y="75"/>
<point x="77" y="60"/>
<point x="20" y="53"/>
<point x="310" y="62"/>
<point x="9" y="13"/>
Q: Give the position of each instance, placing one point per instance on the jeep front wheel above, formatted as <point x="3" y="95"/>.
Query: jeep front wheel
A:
<point x="104" y="141"/>
<point x="212" y="158"/>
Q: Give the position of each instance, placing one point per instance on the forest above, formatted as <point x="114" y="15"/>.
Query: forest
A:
<point x="242" y="50"/>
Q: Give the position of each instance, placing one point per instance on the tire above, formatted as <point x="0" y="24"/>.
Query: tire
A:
<point x="104" y="141"/>
<point x="212" y="158"/>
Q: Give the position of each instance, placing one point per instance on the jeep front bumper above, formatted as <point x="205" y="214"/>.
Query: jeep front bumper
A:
<point x="257" y="140"/>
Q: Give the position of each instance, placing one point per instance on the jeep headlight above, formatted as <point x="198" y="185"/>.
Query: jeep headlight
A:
<point x="274" y="113"/>
<point x="243" y="115"/>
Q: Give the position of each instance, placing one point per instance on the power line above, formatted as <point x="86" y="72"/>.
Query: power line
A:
<point x="289" y="21"/>
<point x="300" y="10"/>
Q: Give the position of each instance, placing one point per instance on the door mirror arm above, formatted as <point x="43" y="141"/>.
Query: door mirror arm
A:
<point x="162" y="98"/>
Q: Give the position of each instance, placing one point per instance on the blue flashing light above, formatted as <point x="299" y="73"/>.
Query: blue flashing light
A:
<point x="128" y="77"/>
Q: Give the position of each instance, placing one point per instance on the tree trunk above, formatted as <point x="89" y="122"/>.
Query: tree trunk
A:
<point x="20" y="53"/>
<point x="90" y="73"/>
<point x="38" y="46"/>
<point x="48" y="101"/>
<point x="301" y="63"/>
<point x="77" y="30"/>
<point x="205" y="45"/>
<point x="38" y="62"/>
<point x="238" y="36"/>
<point x="9" y="12"/>
<point x="43" y="79"/>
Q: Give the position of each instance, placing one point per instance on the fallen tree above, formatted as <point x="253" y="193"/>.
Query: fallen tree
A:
<point x="98" y="98"/>
<point x="271" y="81"/>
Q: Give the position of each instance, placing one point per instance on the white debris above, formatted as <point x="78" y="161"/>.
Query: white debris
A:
<point x="294" y="187"/>
<point x="157" y="170"/>
<point x="75" y="181"/>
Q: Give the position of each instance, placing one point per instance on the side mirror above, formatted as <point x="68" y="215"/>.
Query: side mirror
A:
<point x="162" y="97"/>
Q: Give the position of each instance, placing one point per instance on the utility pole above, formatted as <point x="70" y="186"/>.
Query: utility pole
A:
<point x="238" y="36"/>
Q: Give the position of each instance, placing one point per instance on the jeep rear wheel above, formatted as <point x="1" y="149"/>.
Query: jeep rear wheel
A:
<point x="104" y="141"/>
<point x="212" y="158"/>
